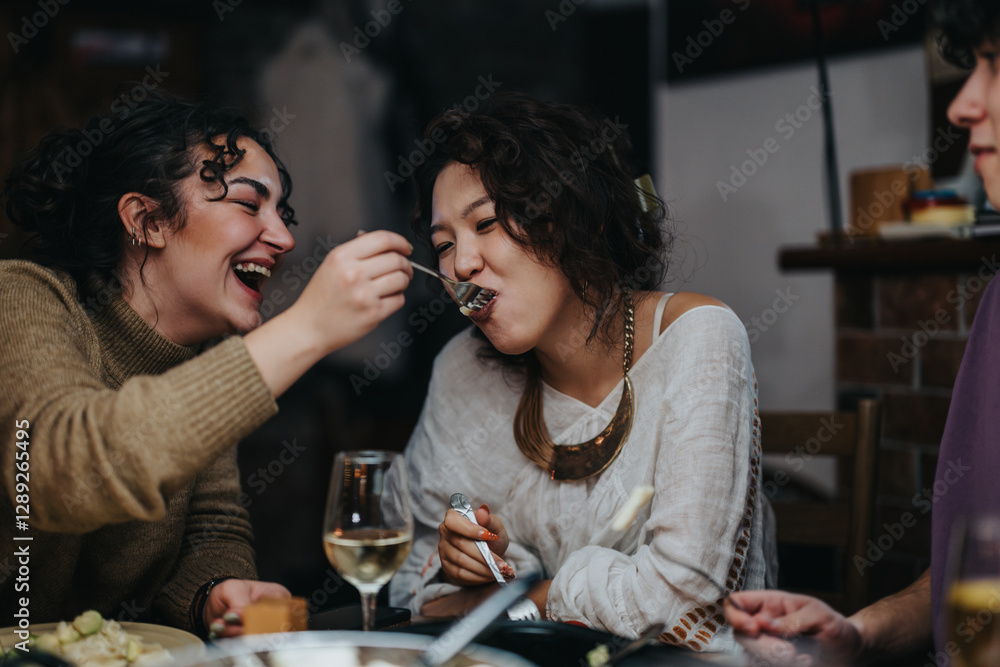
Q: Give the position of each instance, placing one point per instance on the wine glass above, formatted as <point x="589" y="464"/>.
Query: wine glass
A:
<point x="973" y="594"/>
<point x="368" y="530"/>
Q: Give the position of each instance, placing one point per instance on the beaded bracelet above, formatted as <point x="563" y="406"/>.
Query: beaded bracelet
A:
<point x="199" y="602"/>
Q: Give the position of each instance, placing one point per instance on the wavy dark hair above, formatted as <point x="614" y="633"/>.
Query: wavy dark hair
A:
<point x="562" y="188"/>
<point x="965" y="25"/>
<point x="66" y="189"/>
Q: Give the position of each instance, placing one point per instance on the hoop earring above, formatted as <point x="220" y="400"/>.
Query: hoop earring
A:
<point x="133" y="236"/>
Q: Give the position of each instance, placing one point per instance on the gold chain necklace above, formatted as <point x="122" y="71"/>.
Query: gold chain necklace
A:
<point x="575" y="462"/>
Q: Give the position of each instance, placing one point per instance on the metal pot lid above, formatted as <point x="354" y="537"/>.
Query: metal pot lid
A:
<point x="326" y="648"/>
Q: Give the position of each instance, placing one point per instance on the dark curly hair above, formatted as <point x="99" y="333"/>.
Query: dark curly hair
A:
<point x="66" y="189"/>
<point x="562" y="188"/>
<point x="965" y="25"/>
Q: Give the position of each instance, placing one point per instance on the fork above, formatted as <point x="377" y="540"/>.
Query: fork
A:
<point x="468" y="296"/>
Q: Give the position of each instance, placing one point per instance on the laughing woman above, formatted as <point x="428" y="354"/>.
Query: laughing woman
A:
<point x="578" y="383"/>
<point x="119" y="419"/>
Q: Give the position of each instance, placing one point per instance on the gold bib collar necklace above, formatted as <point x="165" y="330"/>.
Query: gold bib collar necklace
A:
<point x="575" y="462"/>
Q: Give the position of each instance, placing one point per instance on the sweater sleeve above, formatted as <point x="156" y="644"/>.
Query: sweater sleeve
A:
<point x="217" y="541"/>
<point x="705" y="477"/>
<point x="97" y="455"/>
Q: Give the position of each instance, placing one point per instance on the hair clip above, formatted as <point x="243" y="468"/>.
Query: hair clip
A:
<point x="647" y="193"/>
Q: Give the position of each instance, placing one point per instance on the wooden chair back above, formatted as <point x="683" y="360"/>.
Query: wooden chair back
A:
<point x="847" y="521"/>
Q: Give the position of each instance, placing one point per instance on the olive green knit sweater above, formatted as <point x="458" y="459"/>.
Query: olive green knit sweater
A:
<point x="130" y="465"/>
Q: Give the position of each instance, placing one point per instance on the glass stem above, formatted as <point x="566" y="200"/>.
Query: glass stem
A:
<point x="368" y="611"/>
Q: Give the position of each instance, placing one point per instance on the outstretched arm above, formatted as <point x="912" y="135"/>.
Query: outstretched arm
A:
<point x="897" y="624"/>
<point x="358" y="285"/>
<point x="785" y="628"/>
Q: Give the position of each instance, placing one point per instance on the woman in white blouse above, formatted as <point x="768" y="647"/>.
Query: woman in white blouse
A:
<point x="578" y="383"/>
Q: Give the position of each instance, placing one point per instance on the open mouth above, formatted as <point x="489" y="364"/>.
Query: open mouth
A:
<point x="484" y="312"/>
<point x="252" y="275"/>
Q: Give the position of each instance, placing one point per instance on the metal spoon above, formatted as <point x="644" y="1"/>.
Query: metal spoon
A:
<point x="461" y="504"/>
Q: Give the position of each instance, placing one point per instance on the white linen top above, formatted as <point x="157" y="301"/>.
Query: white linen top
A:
<point x="695" y="438"/>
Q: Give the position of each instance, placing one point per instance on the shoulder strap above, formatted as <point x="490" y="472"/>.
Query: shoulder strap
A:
<point x="658" y="314"/>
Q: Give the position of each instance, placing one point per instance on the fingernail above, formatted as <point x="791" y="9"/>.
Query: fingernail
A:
<point x="506" y="570"/>
<point x="212" y="635"/>
<point x="360" y="232"/>
<point x="411" y="246"/>
<point x="217" y="628"/>
<point x="484" y="506"/>
<point x="488" y="536"/>
<point x="231" y="617"/>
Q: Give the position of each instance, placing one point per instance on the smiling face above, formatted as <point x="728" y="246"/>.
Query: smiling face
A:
<point x="206" y="281"/>
<point x="534" y="304"/>
<point x="977" y="107"/>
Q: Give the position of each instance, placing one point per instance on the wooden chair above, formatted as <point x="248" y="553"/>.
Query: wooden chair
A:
<point x="845" y="522"/>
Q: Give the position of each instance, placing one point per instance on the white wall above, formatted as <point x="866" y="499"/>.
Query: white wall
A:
<point x="730" y="248"/>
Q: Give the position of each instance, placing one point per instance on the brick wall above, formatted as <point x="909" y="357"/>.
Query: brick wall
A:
<point x="901" y="336"/>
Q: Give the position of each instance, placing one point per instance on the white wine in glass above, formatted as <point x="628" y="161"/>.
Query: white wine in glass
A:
<point x="973" y="594"/>
<point x="368" y="530"/>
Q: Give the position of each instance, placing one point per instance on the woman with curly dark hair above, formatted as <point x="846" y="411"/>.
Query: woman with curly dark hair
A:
<point x="579" y="383"/>
<point x="156" y="227"/>
<point x="903" y="624"/>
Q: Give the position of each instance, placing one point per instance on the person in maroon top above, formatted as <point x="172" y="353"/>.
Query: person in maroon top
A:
<point x="905" y="622"/>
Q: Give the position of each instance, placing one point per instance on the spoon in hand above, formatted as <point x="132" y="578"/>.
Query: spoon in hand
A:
<point x="461" y="504"/>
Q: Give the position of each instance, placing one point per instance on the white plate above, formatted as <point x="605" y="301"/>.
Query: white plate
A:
<point x="169" y="638"/>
